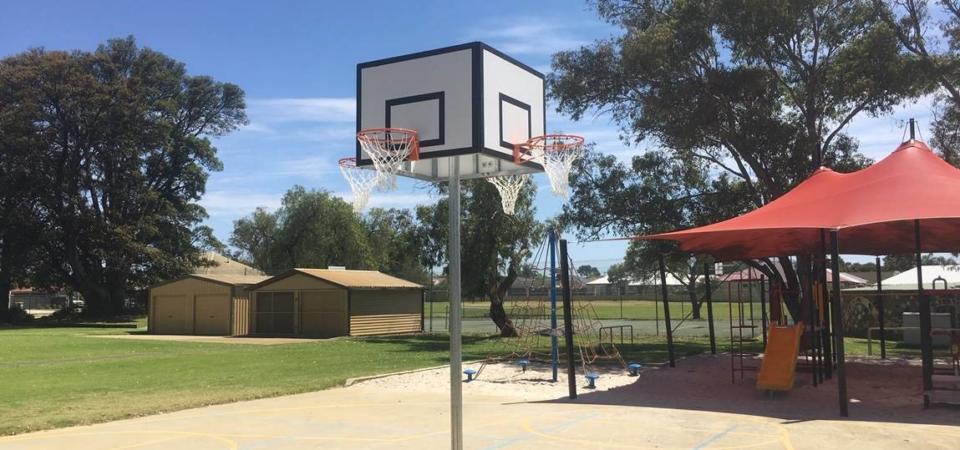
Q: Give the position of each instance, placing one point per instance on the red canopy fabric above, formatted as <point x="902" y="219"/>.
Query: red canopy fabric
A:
<point x="873" y="209"/>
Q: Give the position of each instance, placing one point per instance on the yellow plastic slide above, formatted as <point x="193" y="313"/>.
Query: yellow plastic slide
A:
<point x="779" y="365"/>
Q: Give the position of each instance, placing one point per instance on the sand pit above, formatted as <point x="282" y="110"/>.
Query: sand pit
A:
<point x="504" y="379"/>
<point x="887" y="390"/>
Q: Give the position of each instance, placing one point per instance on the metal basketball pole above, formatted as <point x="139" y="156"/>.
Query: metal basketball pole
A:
<point x="554" y="339"/>
<point x="456" y="351"/>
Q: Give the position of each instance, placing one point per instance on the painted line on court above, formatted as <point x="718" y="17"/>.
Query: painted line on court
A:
<point x="714" y="438"/>
<point x="555" y="427"/>
<point x="230" y="444"/>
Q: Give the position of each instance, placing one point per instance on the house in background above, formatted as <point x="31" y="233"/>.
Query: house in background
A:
<point x="36" y="299"/>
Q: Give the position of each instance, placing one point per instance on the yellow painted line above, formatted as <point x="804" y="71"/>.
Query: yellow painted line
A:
<point x="593" y="444"/>
<point x="230" y="444"/>
<point x="178" y="416"/>
<point x="684" y="427"/>
<point x="224" y="437"/>
<point x="144" y="444"/>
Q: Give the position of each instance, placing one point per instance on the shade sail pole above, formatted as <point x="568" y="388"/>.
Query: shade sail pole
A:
<point x="838" y="323"/>
<point x="880" y="313"/>
<point x="456" y="350"/>
<point x="554" y="335"/>
<point x="666" y="310"/>
<point x="826" y="341"/>
<point x="709" y="299"/>
<point x="763" y="309"/>
<point x="926" y="342"/>
<point x="568" y="319"/>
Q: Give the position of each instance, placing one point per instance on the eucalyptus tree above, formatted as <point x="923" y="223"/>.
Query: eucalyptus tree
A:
<point x="754" y="92"/>
<point x="119" y="139"/>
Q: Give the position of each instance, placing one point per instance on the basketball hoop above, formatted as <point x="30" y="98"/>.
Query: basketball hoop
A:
<point x="556" y="153"/>
<point x="509" y="188"/>
<point x="388" y="148"/>
<point x="362" y="181"/>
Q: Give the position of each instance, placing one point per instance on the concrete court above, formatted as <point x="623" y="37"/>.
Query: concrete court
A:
<point x="363" y="416"/>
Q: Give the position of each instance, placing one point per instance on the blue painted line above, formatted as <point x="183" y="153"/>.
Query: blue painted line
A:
<point x="509" y="441"/>
<point x="714" y="438"/>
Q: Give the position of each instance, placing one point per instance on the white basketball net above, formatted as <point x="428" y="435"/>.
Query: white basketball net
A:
<point x="509" y="188"/>
<point x="556" y="153"/>
<point x="362" y="180"/>
<point x="388" y="148"/>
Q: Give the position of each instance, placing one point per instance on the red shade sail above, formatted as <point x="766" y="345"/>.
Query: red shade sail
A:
<point x="873" y="210"/>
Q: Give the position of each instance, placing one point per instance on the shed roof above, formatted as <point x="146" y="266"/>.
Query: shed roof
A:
<point x="229" y="278"/>
<point x="221" y="278"/>
<point x="348" y="278"/>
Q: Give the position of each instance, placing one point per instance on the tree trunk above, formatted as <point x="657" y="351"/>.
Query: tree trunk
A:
<point x="5" y="285"/>
<point x="499" y="316"/>
<point x="499" y="291"/>
<point x="695" y="304"/>
<point x="97" y="302"/>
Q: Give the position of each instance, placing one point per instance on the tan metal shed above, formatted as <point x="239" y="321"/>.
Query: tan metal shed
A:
<point x="204" y="304"/>
<point x="336" y="302"/>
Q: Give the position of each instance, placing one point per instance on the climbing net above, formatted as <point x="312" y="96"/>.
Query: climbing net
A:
<point x="532" y="323"/>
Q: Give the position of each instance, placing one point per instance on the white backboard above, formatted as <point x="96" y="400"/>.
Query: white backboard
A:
<point x="468" y="101"/>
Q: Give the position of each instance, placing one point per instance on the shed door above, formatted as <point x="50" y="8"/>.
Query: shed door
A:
<point x="274" y="313"/>
<point x="213" y="315"/>
<point x="170" y="314"/>
<point x="323" y="313"/>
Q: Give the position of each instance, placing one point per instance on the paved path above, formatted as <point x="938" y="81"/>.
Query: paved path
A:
<point x="365" y="416"/>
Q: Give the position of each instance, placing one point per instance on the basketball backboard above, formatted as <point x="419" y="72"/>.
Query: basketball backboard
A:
<point x="468" y="101"/>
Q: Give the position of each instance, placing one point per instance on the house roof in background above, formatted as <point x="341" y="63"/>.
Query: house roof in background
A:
<point x="652" y="281"/>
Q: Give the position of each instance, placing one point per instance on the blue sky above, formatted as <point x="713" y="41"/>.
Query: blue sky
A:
<point x="296" y="60"/>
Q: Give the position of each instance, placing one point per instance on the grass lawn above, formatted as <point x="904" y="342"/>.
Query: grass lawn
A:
<point x="605" y="309"/>
<point x="56" y="377"/>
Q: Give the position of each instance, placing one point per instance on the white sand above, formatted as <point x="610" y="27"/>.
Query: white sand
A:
<point x="878" y="390"/>
<point x="506" y="379"/>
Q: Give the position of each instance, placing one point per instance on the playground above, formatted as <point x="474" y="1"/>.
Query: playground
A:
<point x="662" y="408"/>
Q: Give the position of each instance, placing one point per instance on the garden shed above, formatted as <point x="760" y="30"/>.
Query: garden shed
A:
<point x="336" y="302"/>
<point x="205" y="304"/>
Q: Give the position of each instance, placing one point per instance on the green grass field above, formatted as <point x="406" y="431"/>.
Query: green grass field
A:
<point x="56" y="377"/>
<point x="605" y="309"/>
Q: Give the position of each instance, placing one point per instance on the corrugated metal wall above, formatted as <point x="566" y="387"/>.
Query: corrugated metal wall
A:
<point x="385" y="311"/>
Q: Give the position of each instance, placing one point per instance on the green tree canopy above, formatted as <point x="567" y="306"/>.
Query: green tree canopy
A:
<point x="930" y="31"/>
<point x="589" y="272"/>
<point x="748" y="97"/>
<point x="119" y="140"/>
<point x="396" y="242"/>
<point x="312" y="228"/>
<point x="494" y="245"/>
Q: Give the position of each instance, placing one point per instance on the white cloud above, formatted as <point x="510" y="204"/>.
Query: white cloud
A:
<point x="392" y="199"/>
<point x="237" y="203"/>
<point x="535" y="36"/>
<point x="878" y="136"/>
<point x="315" y="109"/>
